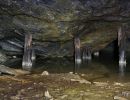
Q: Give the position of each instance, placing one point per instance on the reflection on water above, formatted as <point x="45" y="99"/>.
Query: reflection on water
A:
<point x="77" y="67"/>
<point x="122" y="70"/>
<point x="103" y="68"/>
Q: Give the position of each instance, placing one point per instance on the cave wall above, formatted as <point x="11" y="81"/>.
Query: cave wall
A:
<point x="55" y="23"/>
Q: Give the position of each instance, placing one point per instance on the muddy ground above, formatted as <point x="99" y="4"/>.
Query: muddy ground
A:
<point x="67" y="86"/>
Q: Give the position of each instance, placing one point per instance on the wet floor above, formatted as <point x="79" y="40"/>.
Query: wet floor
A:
<point x="102" y="68"/>
<point x="101" y="78"/>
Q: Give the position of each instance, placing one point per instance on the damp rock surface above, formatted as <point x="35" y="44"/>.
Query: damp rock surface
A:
<point x="54" y="24"/>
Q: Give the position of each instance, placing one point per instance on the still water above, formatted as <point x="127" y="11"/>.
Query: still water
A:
<point x="102" y="68"/>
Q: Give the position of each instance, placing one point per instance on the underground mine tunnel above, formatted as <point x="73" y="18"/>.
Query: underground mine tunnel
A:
<point x="64" y="49"/>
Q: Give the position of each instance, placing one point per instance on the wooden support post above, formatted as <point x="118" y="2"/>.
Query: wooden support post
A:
<point x="29" y="54"/>
<point x="77" y="53"/>
<point x="96" y="53"/>
<point x="87" y="54"/>
<point x="77" y="47"/>
<point x="122" y="45"/>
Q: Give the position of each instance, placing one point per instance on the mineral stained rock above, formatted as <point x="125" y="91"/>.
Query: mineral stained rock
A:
<point x="55" y="23"/>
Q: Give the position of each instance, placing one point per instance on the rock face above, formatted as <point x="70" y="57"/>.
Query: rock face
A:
<point x="55" y="23"/>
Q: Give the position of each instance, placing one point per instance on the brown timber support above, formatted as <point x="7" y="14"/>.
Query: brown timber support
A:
<point x="29" y="54"/>
<point x="77" y="54"/>
<point x="122" y="45"/>
<point x="86" y="55"/>
<point x="77" y="47"/>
